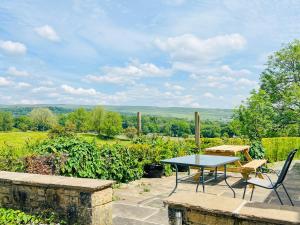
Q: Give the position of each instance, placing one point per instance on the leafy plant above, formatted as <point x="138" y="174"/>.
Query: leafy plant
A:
<point x="15" y="217"/>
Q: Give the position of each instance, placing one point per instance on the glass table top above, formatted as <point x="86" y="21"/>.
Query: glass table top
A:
<point x="201" y="160"/>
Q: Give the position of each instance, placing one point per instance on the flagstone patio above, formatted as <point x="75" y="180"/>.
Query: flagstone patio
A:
<point x="141" y="202"/>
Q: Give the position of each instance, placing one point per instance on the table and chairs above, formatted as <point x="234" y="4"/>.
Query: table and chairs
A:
<point x="216" y="159"/>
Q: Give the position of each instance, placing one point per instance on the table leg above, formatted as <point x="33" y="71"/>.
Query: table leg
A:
<point x="225" y="177"/>
<point x="201" y="180"/>
<point x="176" y="181"/>
<point x="216" y="173"/>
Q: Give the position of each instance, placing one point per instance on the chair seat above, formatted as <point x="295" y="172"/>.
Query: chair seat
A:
<point x="261" y="183"/>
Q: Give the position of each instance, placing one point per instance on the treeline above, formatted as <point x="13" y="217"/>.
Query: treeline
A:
<point x="109" y="124"/>
<point x="176" y="127"/>
<point x="97" y="120"/>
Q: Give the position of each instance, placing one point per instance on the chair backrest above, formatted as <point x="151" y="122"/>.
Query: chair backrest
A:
<point x="286" y="167"/>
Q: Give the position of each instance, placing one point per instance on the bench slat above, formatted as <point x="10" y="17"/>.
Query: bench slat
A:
<point x="254" y="164"/>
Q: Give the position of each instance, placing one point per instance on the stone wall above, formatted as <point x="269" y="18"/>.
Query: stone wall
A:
<point x="206" y="209"/>
<point x="76" y="200"/>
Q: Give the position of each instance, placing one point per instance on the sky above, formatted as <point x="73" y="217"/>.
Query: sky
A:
<point x="168" y="53"/>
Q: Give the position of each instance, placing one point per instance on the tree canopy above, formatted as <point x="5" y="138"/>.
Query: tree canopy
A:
<point x="274" y="110"/>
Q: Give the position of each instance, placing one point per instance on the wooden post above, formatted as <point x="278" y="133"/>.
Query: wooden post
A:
<point x="197" y="129"/>
<point x="139" y="123"/>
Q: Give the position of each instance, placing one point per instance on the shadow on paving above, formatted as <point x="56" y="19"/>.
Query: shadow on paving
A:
<point x="292" y="184"/>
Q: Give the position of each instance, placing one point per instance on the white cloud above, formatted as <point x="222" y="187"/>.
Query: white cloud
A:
<point x="188" y="48"/>
<point x="23" y="85"/>
<point x="128" y="74"/>
<point x="42" y="89"/>
<point x="14" y="48"/>
<point x="208" y="95"/>
<point x="174" y="87"/>
<point x="19" y="73"/>
<point x="78" y="91"/>
<point x="4" y="81"/>
<point x="47" y="32"/>
<point x="243" y="82"/>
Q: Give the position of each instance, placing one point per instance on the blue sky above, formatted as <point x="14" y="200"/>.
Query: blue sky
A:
<point x="187" y="53"/>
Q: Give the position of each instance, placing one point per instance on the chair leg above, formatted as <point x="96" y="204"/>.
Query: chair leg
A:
<point x="288" y="195"/>
<point x="278" y="196"/>
<point x="252" y="193"/>
<point x="245" y="190"/>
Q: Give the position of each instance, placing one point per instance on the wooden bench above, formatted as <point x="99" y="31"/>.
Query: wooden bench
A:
<point x="252" y="166"/>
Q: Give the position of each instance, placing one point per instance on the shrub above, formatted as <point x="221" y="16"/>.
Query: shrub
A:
<point x="11" y="160"/>
<point x="15" y="217"/>
<point x="84" y="159"/>
<point x="120" y="163"/>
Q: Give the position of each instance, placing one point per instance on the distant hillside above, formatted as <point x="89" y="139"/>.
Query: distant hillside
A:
<point x="178" y="112"/>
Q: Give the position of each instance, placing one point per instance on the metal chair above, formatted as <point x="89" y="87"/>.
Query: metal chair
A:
<point x="268" y="184"/>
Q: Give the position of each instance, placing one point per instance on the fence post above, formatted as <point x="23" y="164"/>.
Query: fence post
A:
<point x="197" y="129"/>
<point x="139" y="123"/>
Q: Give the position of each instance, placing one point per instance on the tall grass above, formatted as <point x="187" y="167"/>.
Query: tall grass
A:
<point x="278" y="148"/>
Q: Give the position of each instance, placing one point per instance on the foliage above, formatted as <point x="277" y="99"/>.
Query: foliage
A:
<point x="274" y="110"/>
<point x="42" y="118"/>
<point x="97" y="117"/>
<point x="112" y="124"/>
<point x="130" y="132"/>
<point x="11" y="159"/>
<point x="84" y="159"/>
<point x="277" y="149"/>
<point x="257" y="150"/>
<point x="255" y="117"/>
<point x="120" y="163"/>
<point x="15" y="217"/>
<point x="78" y="119"/>
<point x="6" y="121"/>
<point x="23" y="123"/>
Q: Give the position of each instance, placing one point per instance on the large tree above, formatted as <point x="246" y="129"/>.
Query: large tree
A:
<point x="274" y="110"/>
<point x="42" y="118"/>
<point x="97" y="116"/>
<point x="6" y="121"/>
<point x="112" y="124"/>
<point x="281" y="81"/>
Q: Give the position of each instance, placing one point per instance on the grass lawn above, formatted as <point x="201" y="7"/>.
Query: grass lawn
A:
<point x="19" y="139"/>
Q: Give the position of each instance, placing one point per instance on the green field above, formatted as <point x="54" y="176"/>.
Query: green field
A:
<point x="19" y="139"/>
<point x="178" y="112"/>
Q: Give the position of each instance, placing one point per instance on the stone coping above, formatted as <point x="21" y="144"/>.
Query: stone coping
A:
<point x="235" y="207"/>
<point x="84" y="184"/>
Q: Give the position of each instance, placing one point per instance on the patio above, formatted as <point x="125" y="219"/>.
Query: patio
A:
<point x="141" y="202"/>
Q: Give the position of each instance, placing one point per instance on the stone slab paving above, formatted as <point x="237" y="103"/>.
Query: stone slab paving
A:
<point x="141" y="202"/>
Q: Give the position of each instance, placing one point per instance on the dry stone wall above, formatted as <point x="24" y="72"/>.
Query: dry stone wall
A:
<point x="76" y="200"/>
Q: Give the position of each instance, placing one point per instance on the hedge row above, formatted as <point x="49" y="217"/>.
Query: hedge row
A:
<point x="276" y="149"/>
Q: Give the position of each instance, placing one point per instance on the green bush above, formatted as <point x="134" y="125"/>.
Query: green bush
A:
<point x="15" y="217"/>
<point x="86" y="160"/>
<point x="11" y="159"/>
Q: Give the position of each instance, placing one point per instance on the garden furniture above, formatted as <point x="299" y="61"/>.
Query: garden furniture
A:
<point x="268" y="184"/>
<point x="202" y="162"/>
<point x="252" y="165"/>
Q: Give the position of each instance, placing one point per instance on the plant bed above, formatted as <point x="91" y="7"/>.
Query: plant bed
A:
<point x="153" y="170"/>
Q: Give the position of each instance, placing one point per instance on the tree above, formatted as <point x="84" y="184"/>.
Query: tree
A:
<point x="42" y="118"/>
<point x="281" y="82"/>
<point x="6" y="121"/>
<point x="255" y="116"/>
<point x="130" y="132"/>
<point x="79" y="118"/>
<point x="23" y="123"/>
<point x="112" y="124"/>
<point x="97" y="116"/>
